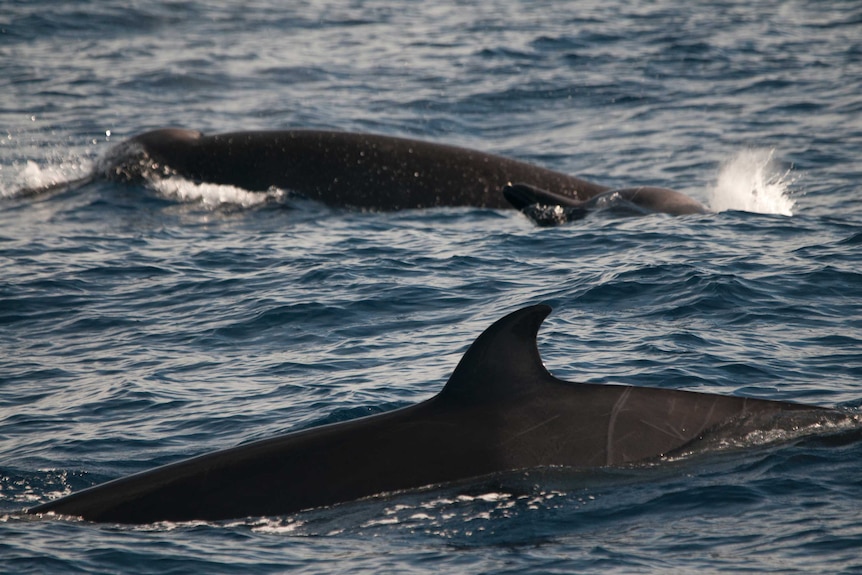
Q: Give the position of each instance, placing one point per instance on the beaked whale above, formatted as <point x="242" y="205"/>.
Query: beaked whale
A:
<point x="501" y="410"/>
<point x="340" y="169"/>
<point x="353" y="170"/>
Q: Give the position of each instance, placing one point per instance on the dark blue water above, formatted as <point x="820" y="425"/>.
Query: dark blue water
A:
<point x="143" y="324"/>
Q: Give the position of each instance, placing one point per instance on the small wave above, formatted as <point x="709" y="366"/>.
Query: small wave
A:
<point x="751" y="181"/>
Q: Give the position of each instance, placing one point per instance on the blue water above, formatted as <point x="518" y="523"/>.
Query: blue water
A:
<point x="141" y="324"/>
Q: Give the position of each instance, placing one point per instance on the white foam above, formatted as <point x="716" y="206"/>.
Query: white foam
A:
<point x="212" y="195"/>
<point x="32" y="176"/>
<point x="275" y="526"/>
<point x="752" y="181"/>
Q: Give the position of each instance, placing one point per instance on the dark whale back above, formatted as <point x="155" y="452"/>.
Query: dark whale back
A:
<point x="500" y="411"/>
<point x="356" y="170"/>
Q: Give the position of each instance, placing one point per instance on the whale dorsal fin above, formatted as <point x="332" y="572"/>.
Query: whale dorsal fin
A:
<point x="503" y="362"/>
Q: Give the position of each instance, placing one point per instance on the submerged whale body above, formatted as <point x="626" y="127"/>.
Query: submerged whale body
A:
<point x="547" y="208"/>
<point x="342" y="169"/>
<point x="500" y="411"/>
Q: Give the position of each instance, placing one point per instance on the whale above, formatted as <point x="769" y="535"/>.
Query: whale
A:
<point x="340" y="169"/>
<point x="548" y="208"/>
<point x="500" y="411"/>
<point x="366" y="172"/>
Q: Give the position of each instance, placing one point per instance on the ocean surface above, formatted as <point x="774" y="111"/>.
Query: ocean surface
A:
<point x="141" y="324"/>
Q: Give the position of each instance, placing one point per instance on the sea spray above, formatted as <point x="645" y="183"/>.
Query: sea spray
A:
<point x="35" y="180"/>
<point x="752" y="181"/>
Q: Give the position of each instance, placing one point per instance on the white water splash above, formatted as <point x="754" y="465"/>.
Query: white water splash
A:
<point x="752" y="181"/>
<point x="34" y="177"/>
<point x="213" y="195"/>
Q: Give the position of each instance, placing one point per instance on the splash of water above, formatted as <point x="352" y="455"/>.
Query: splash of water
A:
<point x="212" y="195"/>
<point x="752" y="181"/>
<point x="34" y="179"/>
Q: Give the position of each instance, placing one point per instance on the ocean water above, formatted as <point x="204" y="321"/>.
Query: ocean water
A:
<point x="142" y="324"/>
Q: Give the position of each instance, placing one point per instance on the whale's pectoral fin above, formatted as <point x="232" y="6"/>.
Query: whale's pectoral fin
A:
<point x="523" y="195"/>
<point x="551" y="209"/>
<point x="543" y="207"/>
